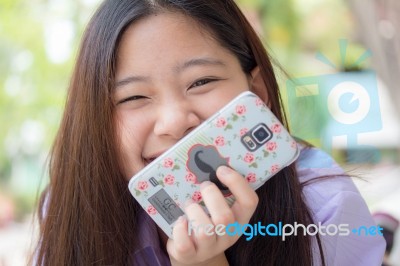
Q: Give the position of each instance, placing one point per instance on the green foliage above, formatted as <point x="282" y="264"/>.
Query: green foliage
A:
<point x="32" y="87"/>
<point x="280" y="23"/>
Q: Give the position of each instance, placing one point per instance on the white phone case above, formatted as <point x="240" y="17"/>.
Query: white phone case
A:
<point x="244" y="135"/>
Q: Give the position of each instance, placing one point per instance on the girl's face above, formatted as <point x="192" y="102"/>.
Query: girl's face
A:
<point x="171" y="75"/>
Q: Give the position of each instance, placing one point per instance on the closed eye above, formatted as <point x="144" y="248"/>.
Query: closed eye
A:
<point x="132" y="98"/>
<point x="202" y="82"/>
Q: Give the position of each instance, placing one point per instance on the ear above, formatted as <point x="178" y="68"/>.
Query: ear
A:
<point x="257" y="85"/>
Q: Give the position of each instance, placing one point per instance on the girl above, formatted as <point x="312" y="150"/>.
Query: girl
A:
<point x="148" y="73"/>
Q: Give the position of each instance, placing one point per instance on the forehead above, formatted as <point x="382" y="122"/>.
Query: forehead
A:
<point x="166" y="36"/>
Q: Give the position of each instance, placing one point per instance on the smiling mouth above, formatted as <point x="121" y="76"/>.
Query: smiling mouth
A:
<point x="149" y="160"/>
<point x="152" y="157"/>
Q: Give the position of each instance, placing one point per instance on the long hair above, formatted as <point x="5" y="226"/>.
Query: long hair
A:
<point x="87" y="215"/>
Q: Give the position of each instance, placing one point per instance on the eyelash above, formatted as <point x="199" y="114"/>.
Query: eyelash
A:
<point x="198" y="83"/>
<point x="201" y="82"/>
<point x="131" y="98"/>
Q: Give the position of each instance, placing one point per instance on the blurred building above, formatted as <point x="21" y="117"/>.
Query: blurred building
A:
<point x="378" y="27"/>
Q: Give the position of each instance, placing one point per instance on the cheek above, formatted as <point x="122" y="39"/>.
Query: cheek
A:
<point x="224" y="95"/>
<point x="132" y="132"/>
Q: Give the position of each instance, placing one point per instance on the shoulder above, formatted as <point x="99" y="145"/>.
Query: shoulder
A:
<point x="336" y="205"/>
<point x="324" y="180"/>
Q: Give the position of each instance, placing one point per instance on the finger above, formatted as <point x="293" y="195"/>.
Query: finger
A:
<point x="215" y="202"/>
<point x="246" y="198"/>
<point x="200" y="226"/>
<point x="221" y="213"/>
<point x="182" y="246"/>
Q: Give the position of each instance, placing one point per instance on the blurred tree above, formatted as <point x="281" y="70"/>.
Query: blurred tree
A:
<point x="279" y="26"/>
<point x="38" y="41"/>
<point x="295" y="30"/>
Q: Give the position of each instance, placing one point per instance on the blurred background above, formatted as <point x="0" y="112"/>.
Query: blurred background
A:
<point x="338" y="64"/>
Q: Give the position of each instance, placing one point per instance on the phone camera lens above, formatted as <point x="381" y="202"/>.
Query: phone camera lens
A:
<point x="261" y="134"/>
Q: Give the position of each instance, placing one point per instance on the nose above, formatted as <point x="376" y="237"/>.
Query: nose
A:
<point x="175" y="119"/>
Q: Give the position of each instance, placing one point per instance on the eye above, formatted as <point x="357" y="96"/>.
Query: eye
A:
<point x="132" y="98"/>
<point x="202" y="82"/>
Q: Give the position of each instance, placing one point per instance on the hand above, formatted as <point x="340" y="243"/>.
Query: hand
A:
<point x="203" y="246"/>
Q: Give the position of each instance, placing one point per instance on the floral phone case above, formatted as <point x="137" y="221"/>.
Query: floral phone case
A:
<point x="244" y="135"/>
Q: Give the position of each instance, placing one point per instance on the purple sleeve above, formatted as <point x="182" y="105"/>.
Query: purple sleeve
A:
<point x="150" y="255"/>
<point x="150" y="251"/>
<point x="336" y="200"/>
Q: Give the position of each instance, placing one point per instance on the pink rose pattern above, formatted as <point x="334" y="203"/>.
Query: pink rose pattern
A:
<point x="221" y="122"/>
<point x="168" y="163"/>
<point x="191" y="178"/>
<point x="274" y="168"/>
<point x="240" y="109"/>
<point x="196" y="197"/>
<point x="151" y="210"/>
<point x="169" y="179"/>
<point x="248" y="158"/>
<point x="251" y="178"/>
<point x="243" y="131"/>
<point x="219" y="141"/>
<point x="276" y="128"/>
<point x="271" y="146"/>
<point x="142" y="185"/>
<point x="259" y="102"/>
<point x="293" y="144"/>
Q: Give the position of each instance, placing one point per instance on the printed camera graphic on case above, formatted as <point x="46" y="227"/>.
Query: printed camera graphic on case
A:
<point x="343" y="104"/>
<point x="339" y="104"/>
<point x="243" y="135"/>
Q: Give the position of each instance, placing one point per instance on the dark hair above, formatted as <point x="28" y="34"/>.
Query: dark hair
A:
<point x="90" y="217"/>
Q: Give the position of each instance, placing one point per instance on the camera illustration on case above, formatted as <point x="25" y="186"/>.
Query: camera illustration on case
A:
<point x="244" y="135"/>
<point x="203" y="162"/>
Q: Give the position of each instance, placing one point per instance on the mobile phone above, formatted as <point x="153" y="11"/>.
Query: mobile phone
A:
<point x="244" y="135"/>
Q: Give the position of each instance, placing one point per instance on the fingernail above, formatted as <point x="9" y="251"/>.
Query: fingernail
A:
<point x="224" y="170"/>
<point x="181" y="219"/>
<point x="188" y="202"/>
<point x="205" y="184"/>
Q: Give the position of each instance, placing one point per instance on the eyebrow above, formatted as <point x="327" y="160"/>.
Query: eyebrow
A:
<point x="202" y="61"/>
<point x="131" y="79"/>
